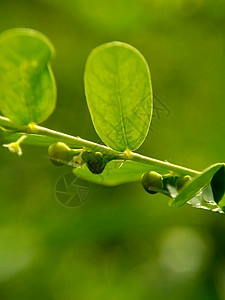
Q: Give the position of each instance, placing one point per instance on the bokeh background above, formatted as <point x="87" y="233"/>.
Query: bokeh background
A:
<point x="123" y="243"/>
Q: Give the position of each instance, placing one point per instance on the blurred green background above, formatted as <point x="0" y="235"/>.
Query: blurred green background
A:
<point x="123" y="243"/>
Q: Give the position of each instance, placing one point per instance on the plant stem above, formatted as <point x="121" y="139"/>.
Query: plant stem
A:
<point x="76" y="141"/>
<point x="164" y="165"/>
<point x="81" y="143"/>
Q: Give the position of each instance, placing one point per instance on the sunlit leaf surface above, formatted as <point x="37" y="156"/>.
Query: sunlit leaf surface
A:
<point x="119" y="95"/>
<point x="27" y="85"/>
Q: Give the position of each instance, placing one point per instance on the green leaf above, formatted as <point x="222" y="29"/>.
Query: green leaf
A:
<point x="116" y="172"/>
<point x="218" y="184"/>
<point x="198" y="184"/>
<point x="222" y="204"/>
<point x="205" y="200"/>
<point x="27" y="85"/>
<point x="119" y="95"/>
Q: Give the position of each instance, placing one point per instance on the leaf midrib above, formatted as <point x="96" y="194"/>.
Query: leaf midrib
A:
<point x="26" y="94"/>
<point x="121" y="112"/>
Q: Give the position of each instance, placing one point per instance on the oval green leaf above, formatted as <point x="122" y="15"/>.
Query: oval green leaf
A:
<point x="119" y="95"/>
<point x="192" y="189"/>
<point x="27" y="85"/>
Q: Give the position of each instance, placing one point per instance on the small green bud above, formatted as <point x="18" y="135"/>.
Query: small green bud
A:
<point x="152" y="182"/>
<point x="85" y="155"/>
<point x="95" y="162"/>
<point x="59" y="153"/>
<point x="182" y="181"/>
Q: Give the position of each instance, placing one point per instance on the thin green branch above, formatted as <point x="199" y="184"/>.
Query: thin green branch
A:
<point x="164" y="165"/>
<point x="78" y="142"/>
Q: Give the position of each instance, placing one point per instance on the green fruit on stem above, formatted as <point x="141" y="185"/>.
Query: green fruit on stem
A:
<point x="182" y="181"/>
<point x="95" y="162"/>
<point x="152" y="182"/>
<point x="59" y="153"/>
